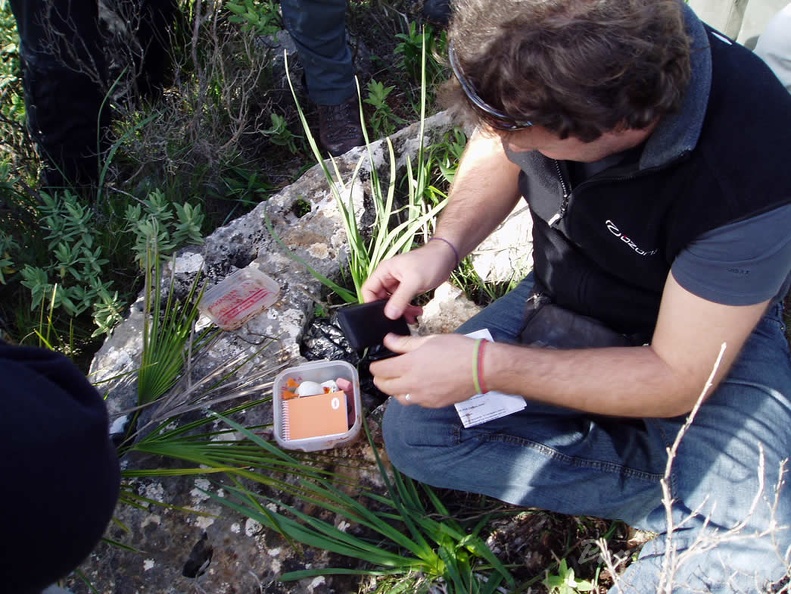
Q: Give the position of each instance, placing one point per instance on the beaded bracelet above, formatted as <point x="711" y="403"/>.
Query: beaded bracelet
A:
<point x="451" y="246"/>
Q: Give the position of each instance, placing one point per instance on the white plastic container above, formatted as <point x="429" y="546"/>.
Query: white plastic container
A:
<point x="318" y="371"/>
<point x="239" y="297"/>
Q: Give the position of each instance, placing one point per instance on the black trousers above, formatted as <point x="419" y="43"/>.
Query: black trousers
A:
<point x="65" y="69"/>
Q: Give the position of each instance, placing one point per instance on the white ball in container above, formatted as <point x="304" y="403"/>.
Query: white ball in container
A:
<point x="309" y="388"/>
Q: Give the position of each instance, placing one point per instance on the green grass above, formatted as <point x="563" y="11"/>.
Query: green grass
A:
<point x="410" y="537"/>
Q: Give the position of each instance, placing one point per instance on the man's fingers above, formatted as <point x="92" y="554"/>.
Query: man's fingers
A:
<point x="374" y="289"/>
<point x="403" y="344"/>
<point x="399" y="302"/>
<point x="412" y="312"/>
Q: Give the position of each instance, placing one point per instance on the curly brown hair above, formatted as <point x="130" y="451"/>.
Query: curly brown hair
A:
<point x="576" y="67"/>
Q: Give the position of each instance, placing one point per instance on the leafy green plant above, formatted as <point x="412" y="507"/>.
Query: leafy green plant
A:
<point x="418" y="50"/>
<point x="565" y="582"/>
<point x="260" y="17"/>
<point x="70" y="273"/>
<point x="235" y="450"/>
<point x="447" y="153"/>
<point x="12" y="228"/>
<point x="243" y="185"/>
<point x="15" y="146"/>
<point x="7" y="245"/>
<point x="166" y="332"/>
<point x="77" y="263"/>
<point x="157" y="221"/>
<point x="383" y="120"/>
<point x="280" y="135"/>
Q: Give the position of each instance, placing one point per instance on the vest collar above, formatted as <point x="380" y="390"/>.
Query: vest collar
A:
<point x="678" y="133"/>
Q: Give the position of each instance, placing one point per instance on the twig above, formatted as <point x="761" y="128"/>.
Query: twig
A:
<point x="669" y="559"/>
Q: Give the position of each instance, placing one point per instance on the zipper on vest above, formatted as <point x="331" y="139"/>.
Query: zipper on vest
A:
<point x="564" y="203"/>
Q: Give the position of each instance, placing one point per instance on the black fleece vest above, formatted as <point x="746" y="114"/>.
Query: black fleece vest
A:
<point x="613" y="238"/>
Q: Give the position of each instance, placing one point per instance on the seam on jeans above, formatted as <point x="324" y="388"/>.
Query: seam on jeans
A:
<point x="775" y="316"/>
<point x="781" y="326"/>
<point x="549" y="452"/>
<point x="668" y="443"/>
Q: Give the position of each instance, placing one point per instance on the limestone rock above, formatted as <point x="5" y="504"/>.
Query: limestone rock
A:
<point x="446" y="311"/>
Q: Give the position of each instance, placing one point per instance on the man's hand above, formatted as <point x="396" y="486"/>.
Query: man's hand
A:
<point x="485" y="190"/>
<point x="401" y="278"/>
<point x="435" y="371"/>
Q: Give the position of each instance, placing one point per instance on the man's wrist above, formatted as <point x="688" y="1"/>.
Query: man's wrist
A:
<point x="451" y="247"/>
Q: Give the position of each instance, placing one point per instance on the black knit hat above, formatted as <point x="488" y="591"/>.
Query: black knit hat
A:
<point x="59" y="471"/>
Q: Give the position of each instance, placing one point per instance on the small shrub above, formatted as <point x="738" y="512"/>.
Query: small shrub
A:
<point x="168" y="225"/>
<point x="280" y="135"/>
<point x="411" y="49"/>
<point x="73" y="277"/>
<point x="261" y="18"/>
<point x="383" y="120"/>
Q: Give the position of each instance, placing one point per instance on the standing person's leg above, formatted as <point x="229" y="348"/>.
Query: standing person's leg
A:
<point x="579" y="464"/>
<point x="63" y="71"/>
<point x="319" y="31"/>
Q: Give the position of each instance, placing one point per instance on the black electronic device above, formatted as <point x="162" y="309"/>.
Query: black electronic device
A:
<point x="366" y="325"/>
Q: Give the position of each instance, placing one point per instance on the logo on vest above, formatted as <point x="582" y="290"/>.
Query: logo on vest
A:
<point x="613" y="228"/>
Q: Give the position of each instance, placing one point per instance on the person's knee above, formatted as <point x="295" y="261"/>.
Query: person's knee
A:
<point x="694" y="559"/>
<point x="417" y="440"/>
<point x="396" y="438"/>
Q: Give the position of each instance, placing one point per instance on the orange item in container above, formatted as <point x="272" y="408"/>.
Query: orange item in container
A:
<point x="320" y="416"/>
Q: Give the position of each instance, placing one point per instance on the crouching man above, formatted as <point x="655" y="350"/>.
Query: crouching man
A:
<point x="660" y="193"/>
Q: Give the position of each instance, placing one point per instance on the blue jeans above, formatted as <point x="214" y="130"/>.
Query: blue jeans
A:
<point x="318" y="28"/>
<point x="723" y="480"/>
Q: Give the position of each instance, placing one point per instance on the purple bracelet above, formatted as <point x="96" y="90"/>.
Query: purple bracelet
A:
<point x="451" y="246"/>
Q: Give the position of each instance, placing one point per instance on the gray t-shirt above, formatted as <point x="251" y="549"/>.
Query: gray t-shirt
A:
<point x="741" y="263"/>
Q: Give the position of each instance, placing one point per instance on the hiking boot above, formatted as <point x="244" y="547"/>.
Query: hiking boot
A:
<point x="437" y="12"/>
<point x="339" y="127"/>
